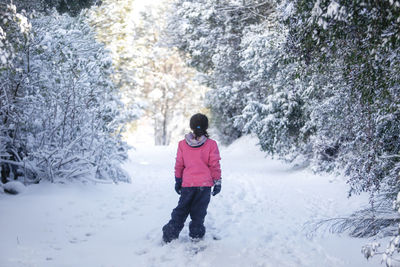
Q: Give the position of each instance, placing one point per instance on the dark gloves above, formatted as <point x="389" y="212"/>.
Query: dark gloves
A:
<point x="217" y="187"/>
<point x="178" y="185"/>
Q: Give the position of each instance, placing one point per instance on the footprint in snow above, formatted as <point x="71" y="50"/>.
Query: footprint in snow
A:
<point x="74" y="240"/>
<point x="142" y="252"/>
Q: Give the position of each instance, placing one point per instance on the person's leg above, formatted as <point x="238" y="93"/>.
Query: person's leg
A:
<point x="178" y="216"/>
<point x="198" y="212"/>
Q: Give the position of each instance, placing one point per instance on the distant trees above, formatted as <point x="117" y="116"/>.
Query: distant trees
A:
<point x="113" y="22"/>
<point x="314" y="80"/>
<point x="211" y="33"/>
<point x="60" y="112"/>
<point x="167" y="86"/>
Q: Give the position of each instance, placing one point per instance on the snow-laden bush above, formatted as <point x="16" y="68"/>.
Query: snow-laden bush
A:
<point x="64" y="115"/>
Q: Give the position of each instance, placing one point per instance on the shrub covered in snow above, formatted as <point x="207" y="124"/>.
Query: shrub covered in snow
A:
<point x="60" y="113"/>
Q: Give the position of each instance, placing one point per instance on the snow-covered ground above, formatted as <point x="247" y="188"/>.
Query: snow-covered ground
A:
<point x="259" y="218"/>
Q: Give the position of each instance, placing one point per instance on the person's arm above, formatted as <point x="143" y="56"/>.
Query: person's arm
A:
<point x="213" y="163"/>
<point x="215" y="168"/>
<point x="179" y="163"/>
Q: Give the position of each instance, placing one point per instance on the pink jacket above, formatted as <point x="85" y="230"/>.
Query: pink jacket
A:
<point x="198" y="166"/>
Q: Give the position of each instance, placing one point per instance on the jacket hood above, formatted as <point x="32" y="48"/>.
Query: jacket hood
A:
<point x="193" y="142"/>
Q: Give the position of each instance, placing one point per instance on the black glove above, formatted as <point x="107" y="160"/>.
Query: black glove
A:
<point x="217" y="187"/>
<point x="178" y="185"/>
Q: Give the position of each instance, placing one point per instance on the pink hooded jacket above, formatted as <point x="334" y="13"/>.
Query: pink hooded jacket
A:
<point x="198" y="166"/>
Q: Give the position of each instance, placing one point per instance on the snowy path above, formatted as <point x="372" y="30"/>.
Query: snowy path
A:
<point x="259" y="218"/>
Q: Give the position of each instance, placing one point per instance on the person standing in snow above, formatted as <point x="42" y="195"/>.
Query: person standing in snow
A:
<point x="197" y="169"/>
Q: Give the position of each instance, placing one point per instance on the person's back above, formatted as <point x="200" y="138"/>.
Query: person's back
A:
<point x="199" y="165"/>
<point x="197" y="169"/>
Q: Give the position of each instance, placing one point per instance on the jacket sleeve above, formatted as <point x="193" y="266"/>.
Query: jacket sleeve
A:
<point x="179" y="164"/>
<point x="213" y="162"/>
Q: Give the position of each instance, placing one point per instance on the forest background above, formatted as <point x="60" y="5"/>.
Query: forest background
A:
<point x="317" y="81"/>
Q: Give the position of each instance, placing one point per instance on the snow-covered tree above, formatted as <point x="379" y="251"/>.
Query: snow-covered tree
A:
<point x="275" y="106"/>
<point x="62" y="117"/>
<point x="14" y="34"/>
<point x="14" y="38"/>
<point x="353" y="48"/>
<point x="313" y="79"/>
<point x="164" y="81"/>
<point x="211" y="32"/>
<point x="86" y="111"/>
<point x="342" y="63"/>
<point x="114" y="25"/>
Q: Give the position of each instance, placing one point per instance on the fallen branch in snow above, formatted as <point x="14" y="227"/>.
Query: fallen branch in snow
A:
<point x="367" y="222"/>
<point x="356" y="226"/>
<point x="12" y="162"/>
<point x="379" y="218"/>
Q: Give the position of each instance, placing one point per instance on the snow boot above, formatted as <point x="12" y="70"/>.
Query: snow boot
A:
<point x="171" y="231"/>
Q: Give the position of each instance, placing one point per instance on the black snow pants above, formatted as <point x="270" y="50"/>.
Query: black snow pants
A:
<point x="193" y="201"/>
